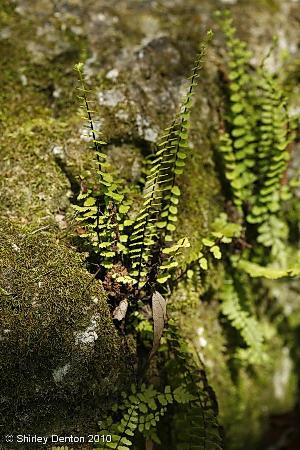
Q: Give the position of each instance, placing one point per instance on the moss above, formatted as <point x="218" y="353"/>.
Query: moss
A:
<point x="33" y="186"/>
<point x="61" y="355"/>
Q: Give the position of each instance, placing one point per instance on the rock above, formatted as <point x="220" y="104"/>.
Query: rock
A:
<point x="58" y="347"/>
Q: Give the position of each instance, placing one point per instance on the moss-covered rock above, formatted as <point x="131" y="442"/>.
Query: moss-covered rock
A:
<point x="61" y="357"/>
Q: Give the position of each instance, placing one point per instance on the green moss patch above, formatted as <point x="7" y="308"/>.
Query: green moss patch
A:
<point x="60" y="354"/>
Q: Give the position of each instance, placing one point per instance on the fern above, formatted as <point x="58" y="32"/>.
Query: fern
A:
<point x="255" y="143"/>
<point x="103" y="207"/>
<point x="245" y="323"/>
<point x="273" y="155"/>
<point x="222" y="232"/>
<point x="272" y="273"/>
<point x="188" y="401"/>
<point x="156" y="221"/>
<point x="150" y="252"/>
<point x="238" y="143"/>
<point x="141" y="412"/>
<point x="275" y="136"/>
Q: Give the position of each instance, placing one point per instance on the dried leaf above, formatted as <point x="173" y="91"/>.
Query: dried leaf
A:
<point x="159" y="311"/>
<point x="120" y="311"/>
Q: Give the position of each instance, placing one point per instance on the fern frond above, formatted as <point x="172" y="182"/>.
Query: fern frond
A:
<point x="238" y="144"/>
<point x="269" y="272"/>
<point x="256" y="145"/>
<point x="104" y="206"/>
<point x="245" y="323"/>
<point x="141" y="411"/>
<point x="273" y="154"/>
<point x="156" y="221"/>
<point x="144" y="233"/>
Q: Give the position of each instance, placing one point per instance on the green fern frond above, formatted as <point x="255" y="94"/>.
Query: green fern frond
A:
<point x="101" y="209"/>
<point x="269" y="272"/>
<point x="245" y="323"/>
<point x="273" y="153"/>
<point x="156" y="221"/>
<point x="141" y="411"/>
<point x="238" y="143"/>
<point x="222" y="232"/>
<point x="255" y="143"/>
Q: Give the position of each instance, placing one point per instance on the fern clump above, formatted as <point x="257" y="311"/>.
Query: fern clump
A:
<point x="142" y="245"/>
<point x="138" y="252"/>
<point x="255" y="144"/>
<point x="255" y="148"/>
<point x="141" y="255"/>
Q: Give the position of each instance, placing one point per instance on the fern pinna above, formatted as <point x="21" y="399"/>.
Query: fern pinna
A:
<point x="148" y="255"/>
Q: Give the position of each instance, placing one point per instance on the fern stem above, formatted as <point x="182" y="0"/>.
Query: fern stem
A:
<point x="181" y="129"/>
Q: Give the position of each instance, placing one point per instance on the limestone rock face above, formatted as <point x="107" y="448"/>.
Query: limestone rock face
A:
<point x="60" y="352"/>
